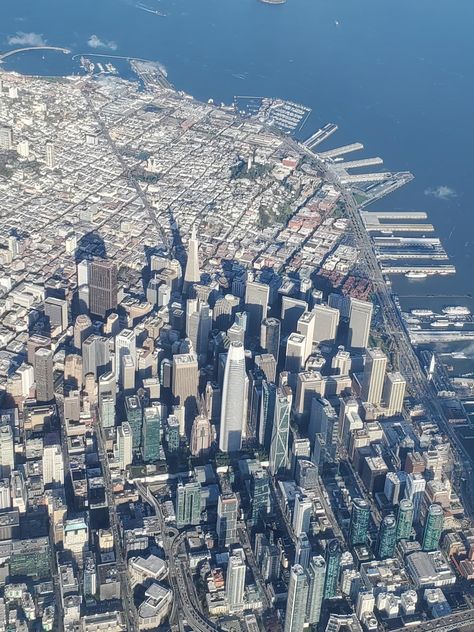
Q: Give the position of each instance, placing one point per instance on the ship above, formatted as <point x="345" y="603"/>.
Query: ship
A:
<point x="422" y="312"/>
<point x="440" y="323"/>
<point x="456" y="310"/>
<point x="413" y="274"/>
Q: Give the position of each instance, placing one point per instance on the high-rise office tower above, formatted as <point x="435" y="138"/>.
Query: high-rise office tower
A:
<point x="291" y="311"/>
<point x="192" y="273"/>
<point x="95" y="356"/>
<point x="55" y="309"/>
<point x="302" y="514"/>
<point x="7" y="455"/>
<point x="50" y="155"/>
<point x="107" y="411"/>
<point x="433" y="528"/>
<point x="359" y="525"/>
<point x="387" y="537"/>
<point x="260" y="495"/>
<point x="173" y="433"/>
<point x="305" y="327"/>
<point x="360" y="318"/>
<point x="270" y="336"/>
<point x="303" y="551"/>
<point x="308" y="385"/>
<point x="317" y="576"/>
<point x="341" y="363"/>
<point x="404" y="519"/>
<point x="151" y="427"/>
<point x="188" y="504"/>
<point x="185" y="382"/>
<point x="5" y="494"/>
<point x="281" y="429"/>
<point x="34" y="343"/>
<point x="295" y="353"/>
<point x="134" y="414"/>
<point x="297" y="599"/>
<point x="6" y="138"/>
<point x="255" y="380"/>
<point x="267" y="364"/>
<point x="234" y="400"/>
<point x="124" y="445"/>
<point x="44" y="375"/>
<point x="256" y="304"/>
<point x="333" y="567"/>
<point x="374" y="376"/>
<point x="201" y="437"/>
<point x="224" y="311"/>
<point x="414" y="491"/>
<point x="394" y="393"/>
<point x="200" y="325"/>
<point x="107" y="386"/>
<point x="82" y="330"/>
<point x="125" y="345"/>
<point x="323" y="420"/>
<point x="102" y="287"/>
<point x="270" y="565"/>
<point x="326" y="323"/>
<point x="53" y="465"/>
<point x="235" y="583"/>
<point x="227" y="514"/>
<point x="267" y="414"/>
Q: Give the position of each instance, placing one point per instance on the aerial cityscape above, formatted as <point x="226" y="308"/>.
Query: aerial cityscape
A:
<point x="216" y="412"/>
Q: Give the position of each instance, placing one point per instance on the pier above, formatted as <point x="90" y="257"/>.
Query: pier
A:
<point x="9" y="53"/>
<point x="372" y="221"/>
<point x="321" y="135"/>
<point x="340" y="151"/>
<point x="403" y="269"/>
<point x="366" y="177"/>
<point x="355" y="164"/>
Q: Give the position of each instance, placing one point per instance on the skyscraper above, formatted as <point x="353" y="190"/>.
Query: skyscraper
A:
<point x="7" y="455"/>
<point x="333" y="567"/>
<point x="270" y="336"/>
<point x="134" y="414"/>
<point x="188" y="504"/>
<point x="235" y="583"/>
<point x="359" y="525"/>
<point x="124" y="445"/>
<point x="317" y="576"/>
<point x="201" y="436"/>
<point x="82" y="330"/>
<point x="302" y="514"/>
<point x="151" y="428"/>
<point x="256" y="304"/>
<point x="227" y="514"/>
<point x="50" y="155"/>
<point x="374" y="375"/>
<point x="53" y="465"/>
<point x="433" y="528"/>
<point x="281" y="429"/>
<point x="125" y="345"/>
<point x="44" y="375"/>
<point x="326" y="323"/>
<point x="260" y="495"/>
<point x="295" y="353"/>
<point x="234" y="400"/>
<point x="297" y="599"/>
<point x="267" y="414"/>
<point x="387" y="537"/>
<point x="414" y="490"/>
<point x="404" y="519"/>
<point x="102" y="287"/>
<point x="192" y="272"/>
<point x="394" y="393"/>
<point x="360" y="318"/>
<point x="303" y="551"/>
<point x="185" y="382"/>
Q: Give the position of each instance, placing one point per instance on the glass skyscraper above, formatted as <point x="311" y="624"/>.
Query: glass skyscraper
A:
<point x="404" y="519"/>
<point x="333" y="567"/>
<point x="359" y="526"/>
<point x="281" y="429"/>
<point x="387" y="537"/>
<point x="433" y="528"/>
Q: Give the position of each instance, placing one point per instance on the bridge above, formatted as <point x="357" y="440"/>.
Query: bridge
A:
<point x="9" y="53"/>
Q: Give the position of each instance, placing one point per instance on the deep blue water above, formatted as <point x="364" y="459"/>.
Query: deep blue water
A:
<point x="396" y="76"/>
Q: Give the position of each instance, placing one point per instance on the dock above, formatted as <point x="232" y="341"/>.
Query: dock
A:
<point x="372" y="222"/>
<point x="355" y="164"/>
<point x="321" y="135"/>
<point x="340" y="151"/>
<point x="366" y="177"/>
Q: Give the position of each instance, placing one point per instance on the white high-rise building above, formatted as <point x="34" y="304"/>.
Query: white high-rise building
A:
<point x="125" y="345"/>
<point x="7" y="456"/>
<point x="326" y="323"/>
<point x="53" y="465"/>
<point x="50" y="155"/>
<point x="234" y="400"/>
<point x="317" y="576"/>
<point x="302" y="514"/>
<point x="5" y="494"/>
<point x="297" y="599"/>
<point x="124" y="445"/>
<point x="360" y="318"/>
<point x="394" y="392"/>
<point x="192" y="273"/>
<point x="374" y="376"/>
<point x="414" y="491"/>
<point x="295" y="353"/>
<point x="235" y="583"/>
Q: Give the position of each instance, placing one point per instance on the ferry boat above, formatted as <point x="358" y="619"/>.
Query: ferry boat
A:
<point x="440" y="323"/>
<point x="413" y="274"/>
<point x="422" y="312"/>
<point x="456" y="310"/>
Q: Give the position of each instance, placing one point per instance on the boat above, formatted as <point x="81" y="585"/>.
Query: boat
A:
<point x="422" y="312"/>
<point x="456" y="310"/>
<point x="459" y="324"/>
<point x="440" y="323"/>
<point x="413" y="274"/>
